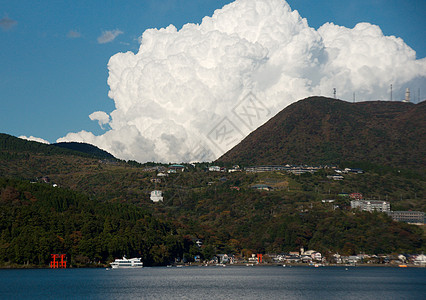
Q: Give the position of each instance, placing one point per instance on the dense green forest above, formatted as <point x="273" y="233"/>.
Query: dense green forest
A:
<point x="285" y="219"/>
<point x="100" y="210"/>
<point x="86" y="149"/>
<point x="37" y="220"/>
<point x="10" y="143"/>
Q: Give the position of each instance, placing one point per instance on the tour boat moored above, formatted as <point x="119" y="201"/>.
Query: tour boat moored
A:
<point x="127" y="263"/>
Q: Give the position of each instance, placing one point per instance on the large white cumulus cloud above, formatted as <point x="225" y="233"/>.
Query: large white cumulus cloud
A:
<point x="192" y="94"/>
<point x="34" y="139"/>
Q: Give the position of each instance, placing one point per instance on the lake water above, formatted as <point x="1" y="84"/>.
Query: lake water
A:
<point x="216" y="283"/>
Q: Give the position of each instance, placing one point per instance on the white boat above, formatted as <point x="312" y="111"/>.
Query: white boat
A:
<point x="127" y="263"/>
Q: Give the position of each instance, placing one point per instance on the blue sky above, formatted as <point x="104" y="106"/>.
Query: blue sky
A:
<point x="54" y="72"/>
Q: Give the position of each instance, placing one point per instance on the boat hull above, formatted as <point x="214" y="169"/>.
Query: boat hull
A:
<point x="131" y="263"/>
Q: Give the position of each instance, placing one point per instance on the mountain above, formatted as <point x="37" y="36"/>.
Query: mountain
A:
<point x="319" y="130"/>
<point x="86" y="148"/>
<point x="14" y="144"/>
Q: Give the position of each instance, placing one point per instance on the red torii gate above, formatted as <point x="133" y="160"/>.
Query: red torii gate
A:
<point x="56" y="264"/>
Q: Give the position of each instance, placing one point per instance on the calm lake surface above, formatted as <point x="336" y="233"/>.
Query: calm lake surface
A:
<point x="216" y="283"/>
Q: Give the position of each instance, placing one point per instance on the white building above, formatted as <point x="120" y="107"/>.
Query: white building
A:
<point x="316" y="256"/>
<point x="235" y="168"/>
<point x="407" y="96"/>
<point x="420" y="260"/>
<point x="415" y="217"/>
<point x="156" y="196"/>
<point x="335" y="177"/>
<point x="371" y="205"/>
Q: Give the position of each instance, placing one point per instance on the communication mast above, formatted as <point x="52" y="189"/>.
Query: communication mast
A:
<point x="334" y="92"/>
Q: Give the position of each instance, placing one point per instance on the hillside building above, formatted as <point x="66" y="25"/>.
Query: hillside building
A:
<point x="235" y="168"/>
<point x="263" y="187"/>
<point x="356" y="196"/>
<point x="335" y="177"/>
<point x="156" y="196"/>
<point x="417" y="217"/>
<point x="176" y="168"/>
<point x="214" y="169"/>
<point x="297" y="170"/>
<point x="257" y="169"/>
<point x="371" y="205"/>
<point x="353" y="171"/>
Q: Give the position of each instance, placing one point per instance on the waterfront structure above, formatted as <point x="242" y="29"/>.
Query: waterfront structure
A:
<point x="371" y="205"/>
<point x="253" y="259"/>
<point x="420" y="260"/>
<point x="56" y="263"/>
<point x="222" y="258"/>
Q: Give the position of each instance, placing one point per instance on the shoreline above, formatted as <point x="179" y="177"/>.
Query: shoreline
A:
<point x="248" y="265"/>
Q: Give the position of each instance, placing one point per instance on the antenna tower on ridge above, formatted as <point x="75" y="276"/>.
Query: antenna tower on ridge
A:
<point x="407" y="95"/>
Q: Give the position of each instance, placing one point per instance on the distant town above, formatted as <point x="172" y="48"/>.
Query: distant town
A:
<point x="312" y="258"/>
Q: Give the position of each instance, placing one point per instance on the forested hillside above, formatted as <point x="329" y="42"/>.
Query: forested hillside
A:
<point x="320" y="130"/>
<point x="13" y="144"/>
<point x="37" y="220"/>
<point x="86" y="149"/>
